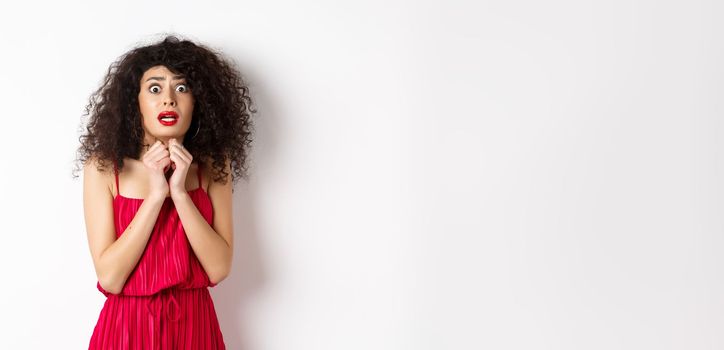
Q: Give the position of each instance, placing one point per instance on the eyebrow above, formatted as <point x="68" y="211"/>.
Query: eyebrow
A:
<point x="175" y="77"/>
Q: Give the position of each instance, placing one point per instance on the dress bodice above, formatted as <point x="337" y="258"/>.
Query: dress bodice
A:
<point x="168" y="260"/>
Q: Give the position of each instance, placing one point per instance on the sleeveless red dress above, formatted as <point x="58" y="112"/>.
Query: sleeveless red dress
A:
<point x="165" y="303"/>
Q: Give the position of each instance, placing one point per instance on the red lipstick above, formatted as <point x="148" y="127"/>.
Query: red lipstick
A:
<point x="168" y="118"/>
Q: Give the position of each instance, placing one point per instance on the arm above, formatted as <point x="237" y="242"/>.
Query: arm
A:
<point x="213" y="245"/>
<point x="114" y="259"/>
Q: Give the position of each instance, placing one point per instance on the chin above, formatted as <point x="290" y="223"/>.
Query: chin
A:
<point x="168" y="132"/>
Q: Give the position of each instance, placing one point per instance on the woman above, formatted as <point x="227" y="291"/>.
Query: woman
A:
<point x="169" y="126"/>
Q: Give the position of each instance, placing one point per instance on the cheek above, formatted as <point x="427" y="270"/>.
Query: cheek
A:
<point x="145" y="105"/>
<point x="188" y="106"/>
<point x="142" y="103"/>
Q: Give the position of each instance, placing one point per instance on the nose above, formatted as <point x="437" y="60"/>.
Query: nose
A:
<point x="169" y="100"/>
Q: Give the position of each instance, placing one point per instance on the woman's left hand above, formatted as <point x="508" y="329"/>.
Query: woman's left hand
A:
<point x="181" y="162"/>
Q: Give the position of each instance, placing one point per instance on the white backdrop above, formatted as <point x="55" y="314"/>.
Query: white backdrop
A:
<point x="426" y="175"/>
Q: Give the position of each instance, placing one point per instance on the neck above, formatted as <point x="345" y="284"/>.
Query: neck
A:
<point x="149" y="140"/>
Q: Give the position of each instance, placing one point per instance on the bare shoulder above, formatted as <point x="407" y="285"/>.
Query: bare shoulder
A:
<point x="209" y="174"/>
<point x="97" y="175"/>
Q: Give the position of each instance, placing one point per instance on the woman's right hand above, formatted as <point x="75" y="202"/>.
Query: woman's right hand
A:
<point x="157" y="160"/>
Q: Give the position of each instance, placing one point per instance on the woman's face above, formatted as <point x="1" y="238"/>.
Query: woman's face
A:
<point x="166" y="105"/>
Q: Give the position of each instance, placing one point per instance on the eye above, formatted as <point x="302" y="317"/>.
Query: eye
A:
<point x="156" y="87"/>
<point x="182" y="88"/>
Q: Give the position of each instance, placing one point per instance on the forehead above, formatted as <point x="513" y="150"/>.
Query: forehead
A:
<point x="160" y="72"/>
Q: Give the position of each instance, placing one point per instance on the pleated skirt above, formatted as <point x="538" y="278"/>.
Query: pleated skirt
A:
<point x="171" y="319"/>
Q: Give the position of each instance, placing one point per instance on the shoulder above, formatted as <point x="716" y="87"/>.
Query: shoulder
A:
<point x="210" y="173"/>
<point x="98" y="173"/>
<point x="94" y="166"/>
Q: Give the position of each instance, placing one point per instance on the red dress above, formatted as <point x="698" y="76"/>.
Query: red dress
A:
<point x="165" y="303"/>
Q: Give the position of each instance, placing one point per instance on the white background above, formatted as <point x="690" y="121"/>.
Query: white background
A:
<point x="426" y="175"/>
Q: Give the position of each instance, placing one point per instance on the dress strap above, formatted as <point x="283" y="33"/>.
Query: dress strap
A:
<point x="115" y="171"/>
<point x="198" y="170"/>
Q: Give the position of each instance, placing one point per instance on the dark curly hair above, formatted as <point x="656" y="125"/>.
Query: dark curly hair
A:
<point x="222" y="103"/>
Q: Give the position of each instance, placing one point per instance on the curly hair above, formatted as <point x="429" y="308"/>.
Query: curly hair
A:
<point x="222" y="103"/>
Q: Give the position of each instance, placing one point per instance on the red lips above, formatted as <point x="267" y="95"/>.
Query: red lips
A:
<point x="167" y="115"/>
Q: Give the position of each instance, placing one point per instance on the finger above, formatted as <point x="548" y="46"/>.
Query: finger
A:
<point x="158" y="152"/>
<point x="175" y="144"/>
<point x="154" y="150"/>
<point x="181" y="149"/>
<point x="163" y="154"/>
<point x="153" y="147"/>
<point x="187" y="153"/>
<point x="175" y="159"/>
<point x="165" y="164"/>
<point x="178" y="151"/>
